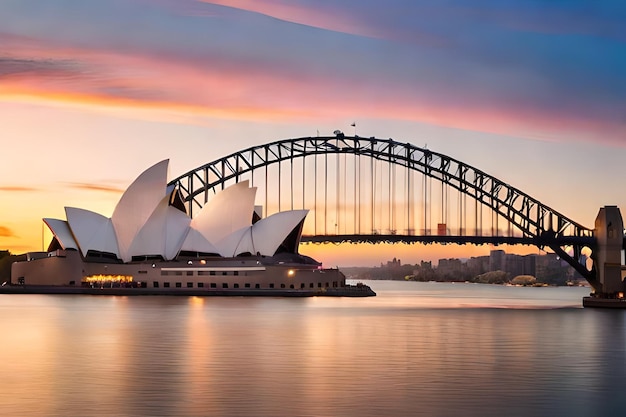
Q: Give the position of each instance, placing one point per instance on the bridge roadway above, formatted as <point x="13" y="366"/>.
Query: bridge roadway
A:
<point x="540" y="241"/>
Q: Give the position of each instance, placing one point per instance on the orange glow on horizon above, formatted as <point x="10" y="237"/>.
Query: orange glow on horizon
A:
<point x="347" y="255"/>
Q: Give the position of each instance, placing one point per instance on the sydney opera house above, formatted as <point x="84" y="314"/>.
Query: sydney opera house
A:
<point x="150" y="245"/>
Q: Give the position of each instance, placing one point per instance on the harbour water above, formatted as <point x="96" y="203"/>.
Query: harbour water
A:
<point x="417" y="349"/>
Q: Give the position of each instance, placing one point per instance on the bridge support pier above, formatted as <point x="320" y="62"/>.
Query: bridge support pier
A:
<point x="609" y="286"/>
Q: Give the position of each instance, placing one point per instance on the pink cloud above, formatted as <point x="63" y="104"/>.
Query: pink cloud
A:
<point x="309" y="15"/>
<point x="336" y="19"/>
<point x="239" y="90"/>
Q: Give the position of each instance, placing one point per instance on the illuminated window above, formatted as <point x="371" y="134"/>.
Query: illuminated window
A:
<point x="107" y="279"/>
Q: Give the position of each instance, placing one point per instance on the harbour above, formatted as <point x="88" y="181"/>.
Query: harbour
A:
<point x="415" y="349"/>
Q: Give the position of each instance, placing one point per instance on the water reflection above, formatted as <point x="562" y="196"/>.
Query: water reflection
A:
<point x="416" y="349"/>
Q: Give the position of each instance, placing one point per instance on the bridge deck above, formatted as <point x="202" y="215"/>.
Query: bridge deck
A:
<point x="461" y="240"/>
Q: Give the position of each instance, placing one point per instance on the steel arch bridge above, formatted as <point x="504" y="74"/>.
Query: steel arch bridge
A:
<point x="380" y="190"/>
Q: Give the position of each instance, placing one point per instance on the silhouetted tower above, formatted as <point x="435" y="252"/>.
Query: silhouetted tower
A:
<point x="609" y="232"/>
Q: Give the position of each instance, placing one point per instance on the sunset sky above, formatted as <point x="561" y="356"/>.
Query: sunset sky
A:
<point x="93" y="92"/>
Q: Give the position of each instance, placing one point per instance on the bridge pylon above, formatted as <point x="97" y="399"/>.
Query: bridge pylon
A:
<point x="609" y="285"/>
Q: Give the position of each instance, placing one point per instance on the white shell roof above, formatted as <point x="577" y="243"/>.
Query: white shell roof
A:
<point x="196" y="242"/>
<point x="162" y="234"/>
<point x="269" y="233"/>
<point x="228" y="211"/>
<point x="264" y="237"/>
<point x="231" y="245"/>
<point x="144" y="223"/>
<point x="92" y="230"/>
<point x="61" y="231"/>
<point x="137" y="204"/>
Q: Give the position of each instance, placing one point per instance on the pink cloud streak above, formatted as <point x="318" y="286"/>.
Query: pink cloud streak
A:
<point x="334" y="19"/>
<point x="238" y="90"/>
<point x="313" y="16"/>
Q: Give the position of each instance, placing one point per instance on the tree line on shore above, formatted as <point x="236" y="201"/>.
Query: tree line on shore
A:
<point x="6" y="259"/>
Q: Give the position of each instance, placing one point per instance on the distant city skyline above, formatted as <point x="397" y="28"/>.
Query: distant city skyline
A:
<point x="498" y="267"/>
<point x="92" y="93"/>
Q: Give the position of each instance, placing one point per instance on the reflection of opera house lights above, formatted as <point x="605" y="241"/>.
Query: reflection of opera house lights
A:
<point x="151" y="242"/>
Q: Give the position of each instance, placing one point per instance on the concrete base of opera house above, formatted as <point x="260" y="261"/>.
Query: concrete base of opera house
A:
<point x="359" y="290"/>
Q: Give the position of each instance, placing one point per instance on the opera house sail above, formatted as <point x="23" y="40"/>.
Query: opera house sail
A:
<point x="150" y="245"/>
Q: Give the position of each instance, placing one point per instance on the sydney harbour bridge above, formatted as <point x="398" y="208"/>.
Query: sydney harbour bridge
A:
<point x="379" y="190"/>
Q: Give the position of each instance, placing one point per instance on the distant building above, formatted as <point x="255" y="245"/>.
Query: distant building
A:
<point x="450" y="268"/>
<point x="394" y="263"/>
<point x="497" y="259"/>
<point x="551" y="269"/>
<point x="477" y="265"/>
<point x="520" y="265"/>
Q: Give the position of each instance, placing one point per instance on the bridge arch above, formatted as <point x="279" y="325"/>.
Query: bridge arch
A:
<point x="534" y="222"/>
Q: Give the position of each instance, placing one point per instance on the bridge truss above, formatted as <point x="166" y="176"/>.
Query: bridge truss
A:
<point x="379" y="190"/>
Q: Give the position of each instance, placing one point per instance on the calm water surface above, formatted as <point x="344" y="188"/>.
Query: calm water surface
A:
<point x="417" y="349"/>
